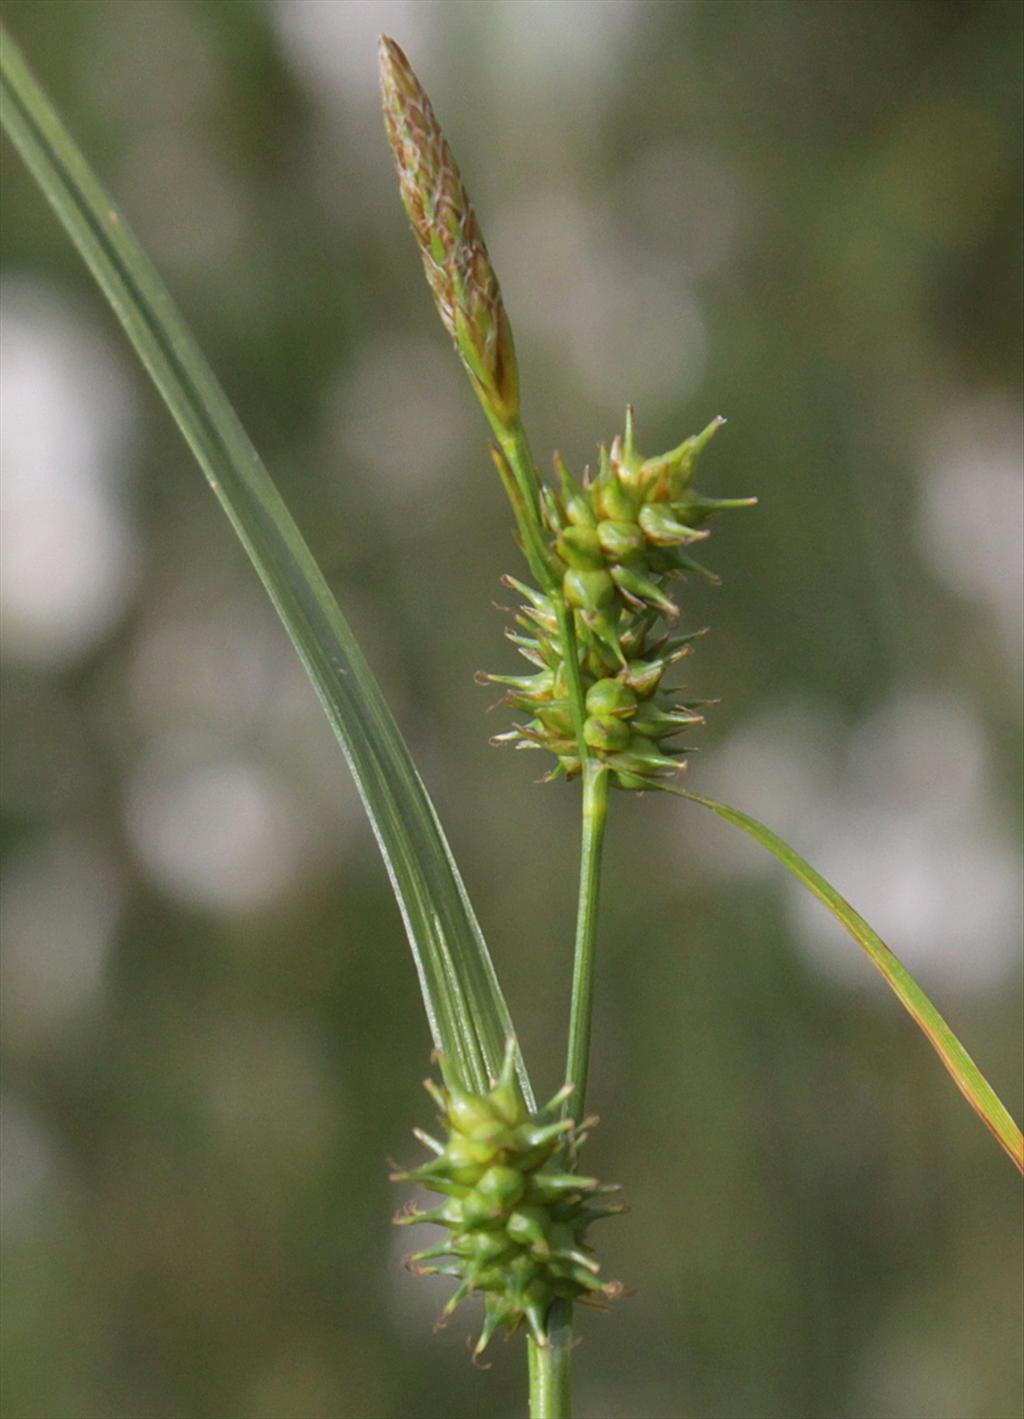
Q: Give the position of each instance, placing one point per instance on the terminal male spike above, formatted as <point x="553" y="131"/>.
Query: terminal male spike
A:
<point x="455" y="258"/>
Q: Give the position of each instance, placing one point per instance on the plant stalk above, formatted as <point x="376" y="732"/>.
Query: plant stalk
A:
<point x="595" y="815"/>
<point x="551" y="1367"/>
<point x="515" y="446"/>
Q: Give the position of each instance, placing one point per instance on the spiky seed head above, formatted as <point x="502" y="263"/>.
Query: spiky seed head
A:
<point x="619" y="538"/>
<point x="517" y="1223"/>
<point x="455" y="257"/>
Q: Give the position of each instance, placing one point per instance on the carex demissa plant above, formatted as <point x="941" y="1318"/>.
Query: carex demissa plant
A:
<point x="601" y="632"/>
<point x="600" y="627"/>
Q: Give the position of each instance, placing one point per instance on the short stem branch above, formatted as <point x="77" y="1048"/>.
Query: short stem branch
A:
<point x="573" y="678"/>
<point x="551" y="1364"/>
<point x="595" y="814"/>
<point x="515" y="446"/>
<point x="551" y="1367"/>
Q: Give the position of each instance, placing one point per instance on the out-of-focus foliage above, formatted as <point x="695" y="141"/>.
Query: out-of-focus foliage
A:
<point x="802" y="216"/>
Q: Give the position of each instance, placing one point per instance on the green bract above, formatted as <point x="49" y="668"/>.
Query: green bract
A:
<point x="517" y="1227"/>
<point x="617" y="540"/>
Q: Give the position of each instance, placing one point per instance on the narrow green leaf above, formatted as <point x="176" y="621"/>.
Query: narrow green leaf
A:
<point x="468" y="1018"/>
<point x="966" y="1075"/>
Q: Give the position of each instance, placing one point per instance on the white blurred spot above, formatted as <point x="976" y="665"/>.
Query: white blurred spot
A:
<point x="625" y="318"/>
<point x="333" y="46"/>
<point x="913" y="840"/>
<point x="401" y="413"/>
<point x="67" y="544"/>
<point x="563" y="37"/>
<point x="972" y="511"/>
<point x="779" y="765"/>
<point x="648" y="334"/>
<point x="218" y="832"/>
<point x="208" y="655"/>
<point x="684" y="202"/>
<point x="214" y="661"/>
<point x="60" y="908"/>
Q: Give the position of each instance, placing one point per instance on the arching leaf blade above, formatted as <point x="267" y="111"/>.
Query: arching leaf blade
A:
<point x="965" y="1073"/>
<point x="468" y="1017"/>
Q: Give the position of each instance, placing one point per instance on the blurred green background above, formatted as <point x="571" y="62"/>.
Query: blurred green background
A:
<point x="802" y="214"/>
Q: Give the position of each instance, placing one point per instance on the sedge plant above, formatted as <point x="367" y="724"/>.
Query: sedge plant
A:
<point x="600" y="629"/>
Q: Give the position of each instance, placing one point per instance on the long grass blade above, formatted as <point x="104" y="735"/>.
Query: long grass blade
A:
<point x="966" y="1075"/>
<point x="468" y="1018"/>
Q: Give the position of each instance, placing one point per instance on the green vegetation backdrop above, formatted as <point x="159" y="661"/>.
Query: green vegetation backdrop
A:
<point x="801" y="215"/>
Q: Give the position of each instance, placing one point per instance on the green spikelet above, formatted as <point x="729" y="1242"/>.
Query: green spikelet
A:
<point x="618" y="539"/>
<point x="517" y="1222"/>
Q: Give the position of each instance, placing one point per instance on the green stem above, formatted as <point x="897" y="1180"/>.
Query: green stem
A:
<point x="573" y="678"/>
<point x="551" y="1367"/>
<point x="515" y="446"/>
<point x="595" y="814"/>
<point x="526" y="501"/>
<point x="551" y="1364"/>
